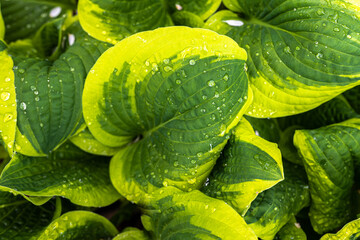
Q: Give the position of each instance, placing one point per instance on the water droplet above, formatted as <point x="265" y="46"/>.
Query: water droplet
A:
<point x="297" y="48"/>
<point x="7" y="79"/>
<point x="176" y="163"/>
<point x="320" y="11"/>
<point x="199" y="154"/>
<point x="216" y="95"/>
<point x="226" y="77"/>
<point x="211" y="83"/>
<point x="287" y="49"/>
<point x="37" y="98"/>
<point x="167" y="68"/>
<point x="72" y="69"/>
<point x="336" y="29"/>
<point x="192" y="62"/>
<point x="222" y="130"/>
<point x="206" y="206"/>
<point x="21" y="70"/>
<point x="192" y="181"/>
<point x="5" y="96"/>
<point x="349" y="36"/>
<point x="319" y="55"/>
<point x="55" y="12"/>
<point x="23" y="106"/>
<point x="178" y="81"/>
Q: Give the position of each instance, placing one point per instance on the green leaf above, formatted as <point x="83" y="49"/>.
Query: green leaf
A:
<point x="178" y="101"/>
<point x="2" y="25"/>
<point x="21" y="220"/>
<point x="184" y="18"/>
<point x="291" y="231"/>
<point x="131" y="233"/>
<point x="301" y="53"/>
<point x="350" y="231"/>
<point x="79" y="225"/>
<point x="23" y="18"/>
<point x="266" y="128"/>
<point x="247" y="166"/>
<point x="71" y="4"/>
<point x="112" y="20"/>
<point x="193" y="215"/>
<point x="328" y="154"/>
<point x="86" y="142"/>
<point x="67" y="172"/>
<point x="353" y="97"/>
<point x="286" y="145"/>
<point x="202" y="8"/>
<point x="273" y="208"/>
<point x="8" y="112"/>
<point x="49" y="94"/>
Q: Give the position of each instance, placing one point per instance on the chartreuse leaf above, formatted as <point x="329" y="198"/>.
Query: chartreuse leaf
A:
<point x="181" y="92"/>
<point x="328" y="154"/>
<point x="301" y="53"/>
<point x="67" y="172"/>
<point x="20" y="219"/>
<point x="273" y="208"/>
<point x="291" y="231"/>
<point x="131" y="233"/>
<point x="350" y="231"/>
<point x="86" y="142"/>
<point x="23" y="18"/>
<point x="247" y="166"/>
<point x="8" y="112"/>
<point x="2" y="25"/>
<point x="193" y="215"/>
<point x="202" y="8"/>
<point x="112" y="20"/>
<point x="49" y="94"/>
<point x="79" y="225"/>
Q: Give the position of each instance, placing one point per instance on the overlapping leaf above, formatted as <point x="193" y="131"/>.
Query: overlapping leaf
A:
<point x="49" y="94"/>
<point x="301" y="53"/>
<point x="2" y="25"/>
<point x="291" y="231"/>
<point x="273" y="208"/>
<point x="202" y="8"/>
<point x="178" y="215"/>
<point x="329" y="155"/>
<point x="247" y="166"/>
<point x="132" y="234"/>
<point x="68" y="172"/>
<point x="178" y="100"/>
<point x="79" y="225"/>
<point x="350" y="231"/>
<point x="21" y="220"/>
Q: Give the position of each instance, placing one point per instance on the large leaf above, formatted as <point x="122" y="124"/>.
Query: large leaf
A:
<point x="328" y="154"/>
<point x="351" y="231"/>
<point x="179" y="215"/>
<point x="67" y="172"/>
<point x="301" y="53"/>
<point x="247" y="166"/>
<point x="7" y="101"/>
<point x="202" y="8"/>
<point x="49" y="94"/>
<point x="21" y="220"/>
<point x="178" y="100"/>
<point x="112" y="20"/>
<point x="79" y="225"/>
<point x="273" y="208"/>
<point x="23" y="18"/>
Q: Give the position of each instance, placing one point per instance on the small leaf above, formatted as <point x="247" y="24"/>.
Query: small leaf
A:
<point x="79" y="225"/>
<point x="273" y="208"/>
<point x="301" y="54"/>
<point x="247" y="166"/>
<point x="173" y="104"/>
<point x="329" y="154"/>
<point x="131" y="233"/>
<point x="193" y="215"/>
<point x="350" y="231"/>
<point x="20" y="219"/>
<point x="67" y="172"/>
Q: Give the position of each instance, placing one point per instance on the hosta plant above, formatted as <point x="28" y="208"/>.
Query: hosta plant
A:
<point x="209" y="119"/>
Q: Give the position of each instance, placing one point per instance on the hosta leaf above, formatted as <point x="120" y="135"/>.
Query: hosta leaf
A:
<point x="266" y="128"/>
<point x="23" y="18"/>
<point x="350" y="231"/>
<point x="86" y="142"/>
<point x="68" y="172"/>
<point x="21" y="220"/>
<point x="328" y="154"/>
<point x="179" y="99"/>
<point x="132" y="234"/>
<point x="286" y="145"/>
<point x="291" y="231"/>
<point x="184" y="18"/>
<point x="112" y="20"/>
<point x="301" y="53"/>
<point x="193" y="215"/>
<point x="353" y="97"/>
<point x="274" y="207"/>
<point x="8" y="112"/>
<point x="202" y="8"/>
<point x="79" y="225"/>
<point x="2" y="25"/>
<point x="247" y="166"/>
<point x="49" y="93"/>
<point x="71" y="4"/>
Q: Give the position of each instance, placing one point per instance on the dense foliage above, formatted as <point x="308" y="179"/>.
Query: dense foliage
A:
<point x="179" y="119"/>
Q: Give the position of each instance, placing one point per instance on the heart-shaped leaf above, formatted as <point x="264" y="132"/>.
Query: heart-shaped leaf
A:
<point x="67" y="172"/>
<point x="178" y="100"/>
<point x="247" y="166"/>
<point x="301" y="54"/>
<point x="193" y="215"/>
<point x="329" y="155"/>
